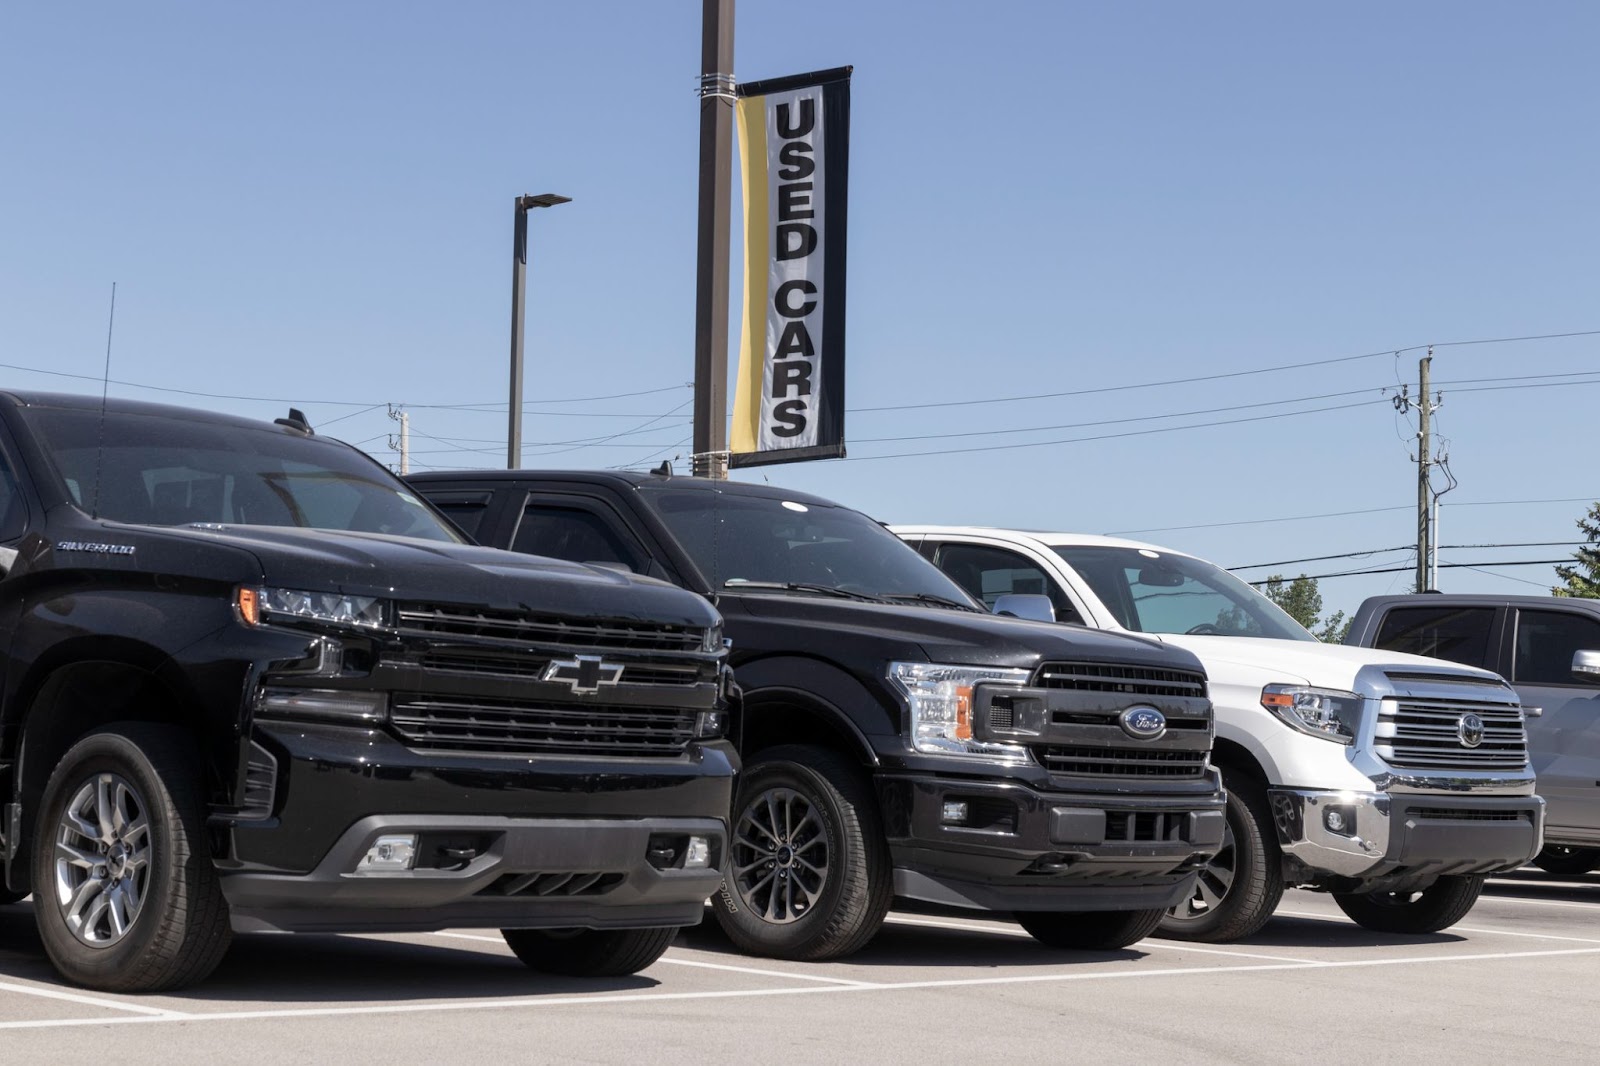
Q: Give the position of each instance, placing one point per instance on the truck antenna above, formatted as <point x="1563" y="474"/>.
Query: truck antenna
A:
<point x="105" y="387"/>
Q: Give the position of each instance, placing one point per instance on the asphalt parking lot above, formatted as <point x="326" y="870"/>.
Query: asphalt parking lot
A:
<point x="1516" y="979"/>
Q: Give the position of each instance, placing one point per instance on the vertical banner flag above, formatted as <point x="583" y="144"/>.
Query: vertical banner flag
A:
<point x="794" y="149"/>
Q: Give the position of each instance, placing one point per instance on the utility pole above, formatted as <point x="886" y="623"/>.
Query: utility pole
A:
<point x="711" y="276"/>
<point x="403" y="445"/>
<point x="1425" y="409"/>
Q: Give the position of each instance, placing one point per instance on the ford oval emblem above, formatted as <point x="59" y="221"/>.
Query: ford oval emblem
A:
<point x="1143" y="723"/>
<point x="1470" y="730"/>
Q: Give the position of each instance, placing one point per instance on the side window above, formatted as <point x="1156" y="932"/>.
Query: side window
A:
<point x="989" y="573"/>
<point x="574" y="534"/>
<point x="1460" y="634"/>
<point x="466" y="511"/>
<point x="1545" y="643"/>
<point x="13" y="511"/>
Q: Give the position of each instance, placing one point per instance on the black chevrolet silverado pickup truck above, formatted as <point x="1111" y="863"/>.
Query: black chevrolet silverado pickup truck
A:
<point x="251" y="681"/>
<point x="898" y="738"/>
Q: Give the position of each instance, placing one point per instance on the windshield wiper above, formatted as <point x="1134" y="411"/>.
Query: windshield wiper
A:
<point x="930" y="598"/>
<point x="800" y="586"/>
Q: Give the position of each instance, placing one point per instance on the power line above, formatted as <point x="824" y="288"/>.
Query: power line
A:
<point x="1224" y="376"/>
<point x="1407" y="548"/>
<point x="1339" y="514"/>
<point x="1442" y="566"/>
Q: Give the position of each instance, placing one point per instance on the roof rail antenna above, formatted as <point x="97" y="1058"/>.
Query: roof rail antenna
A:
<point x="664" y="470"/>
<point x="296" y="420"/>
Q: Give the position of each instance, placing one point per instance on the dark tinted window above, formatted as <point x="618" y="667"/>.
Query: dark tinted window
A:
<point x="469" y="516"/>
<point x="1545" y="643"/>
<point x="13" y="512"/>
<point x="734" y="539"/>
<point x="162" y="471"/>
<point x="573" y="534"/>
<point x="1460" y="634"/>
<point x="989" y="573"/>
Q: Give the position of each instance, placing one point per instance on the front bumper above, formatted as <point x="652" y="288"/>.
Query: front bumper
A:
<point x="1368" y="836"/>
<point x="523" y="873"/>
<point x="1019" y="848"/>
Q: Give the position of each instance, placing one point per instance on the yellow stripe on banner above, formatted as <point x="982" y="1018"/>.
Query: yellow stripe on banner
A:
<point x="751" y="113"/>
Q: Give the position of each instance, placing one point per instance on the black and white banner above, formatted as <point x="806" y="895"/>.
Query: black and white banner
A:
<point x="794" y="148"/>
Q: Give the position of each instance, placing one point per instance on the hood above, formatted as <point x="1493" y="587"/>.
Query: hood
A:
<point x="899" y="631"/>
<point x="1262" y="660"/>
<point x="408" y="570"/>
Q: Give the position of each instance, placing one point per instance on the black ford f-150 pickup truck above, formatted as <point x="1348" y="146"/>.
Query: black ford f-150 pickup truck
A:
<point x="898" y="738"/>
<point x="251" y="681"/>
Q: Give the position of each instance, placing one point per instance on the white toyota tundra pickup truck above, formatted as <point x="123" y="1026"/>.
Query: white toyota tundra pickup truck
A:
<point x="1394" y="782"/>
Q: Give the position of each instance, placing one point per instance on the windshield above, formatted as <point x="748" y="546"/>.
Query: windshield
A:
<point x="741" y="540"/>
<point x="1156" y="592"/>
<point x="161" y="471"/>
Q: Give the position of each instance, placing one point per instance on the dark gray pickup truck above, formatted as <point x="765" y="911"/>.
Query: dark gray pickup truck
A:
<point x="1548" y="647"/>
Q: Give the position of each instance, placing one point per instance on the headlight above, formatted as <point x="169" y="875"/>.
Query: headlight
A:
<point x="1321" y="712"/>
<point x="939" y="697"/>
<point x="712" y="640"/>
<point x="262" y="606"/>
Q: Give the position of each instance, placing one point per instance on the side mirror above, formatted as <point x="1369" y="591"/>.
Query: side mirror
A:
<point x="1586" y="664"/>
<point x="1031" y="606"/>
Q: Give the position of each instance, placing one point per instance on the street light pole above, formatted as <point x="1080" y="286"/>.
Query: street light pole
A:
<point x="711" y="279"/>
<point x="519" y="268"/>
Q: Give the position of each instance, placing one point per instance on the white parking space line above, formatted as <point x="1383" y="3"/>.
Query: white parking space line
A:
<point x="1543" y="902"/>
<point x="766" y="973"/>
<point x="815" y="989"/>
<point x="1465" y="929"/>
<point x="88" y="1001"/>
<point x="701" y="965"/>
<point x="1154" y="945"/>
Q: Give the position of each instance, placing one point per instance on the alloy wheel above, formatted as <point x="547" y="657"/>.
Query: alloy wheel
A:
<point x="102" y="860"/>
<point x="780" y="855"/>
<point x="1215" y="880"/>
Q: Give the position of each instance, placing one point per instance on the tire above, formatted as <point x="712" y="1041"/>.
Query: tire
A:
<point x="8" y="896"/>
<point x="831" y="849"/>
<point x="154" y="879"/>
<point x="1567" y="861"/>
<point x="1090" y="930"/>
<point x="589" y="952"/>
<point x="1237" y="891"/>
<point x="1439" y="906"/>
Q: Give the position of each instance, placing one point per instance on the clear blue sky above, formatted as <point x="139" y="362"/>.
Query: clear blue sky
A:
<point x="313" y="202"/>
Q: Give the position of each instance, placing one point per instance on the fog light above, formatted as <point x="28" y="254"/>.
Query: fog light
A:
<point x="697" y="856"/>
<point x="1341" y="820"/>
<point x="955" y="811"/>
<point x="710" y="724"/>
<point x="389" y="853"/>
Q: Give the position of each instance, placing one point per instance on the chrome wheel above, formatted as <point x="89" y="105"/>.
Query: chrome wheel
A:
<point x="780" y="855"/>
<point x="1215" y="881"/>
<point x="102" y="860"/>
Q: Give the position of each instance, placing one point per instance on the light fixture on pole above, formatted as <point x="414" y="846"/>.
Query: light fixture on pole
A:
<point x="519" y="265"/>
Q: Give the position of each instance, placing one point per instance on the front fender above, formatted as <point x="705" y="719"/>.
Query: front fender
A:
<point x="824" y="689"/>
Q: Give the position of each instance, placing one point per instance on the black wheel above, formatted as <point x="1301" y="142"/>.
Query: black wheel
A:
<point x="126" y="897"/>
<point x="1566" y="861"/>
<point x="1439" y="906"/>
<point x="808" y="872"/>
<point x="1090" y="930"/>
<point x="1237" y="891"/>
<point x="589" y="952"/>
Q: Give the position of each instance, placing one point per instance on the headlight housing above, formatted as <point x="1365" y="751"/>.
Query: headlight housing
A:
<point x="1319" y="712"/>
<point x="711" y="640"/>
<point x="939" y="699"/>
<point x="264" y="606"/>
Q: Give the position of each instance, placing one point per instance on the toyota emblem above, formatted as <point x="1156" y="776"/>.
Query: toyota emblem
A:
<point x="1470" y="730"/>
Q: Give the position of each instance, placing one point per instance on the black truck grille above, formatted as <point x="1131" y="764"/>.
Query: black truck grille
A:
<point x="613" y="634"/>
<point x="1120" y="762"/>
<point x="485" y="663"/>
<point x="1114" y="677"/>
<point x="510" y="727"/>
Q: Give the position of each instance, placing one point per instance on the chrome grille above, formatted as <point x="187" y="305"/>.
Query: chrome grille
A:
<point x="1115" y="677"/>
<point x="614" y="634"/>
<point x="1120" y="762"/>
<point x="1425" y="734"/>
<point x="509" y="727"/>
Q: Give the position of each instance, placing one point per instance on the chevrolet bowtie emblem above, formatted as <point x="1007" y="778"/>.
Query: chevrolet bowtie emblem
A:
<point x="585" y="673"/>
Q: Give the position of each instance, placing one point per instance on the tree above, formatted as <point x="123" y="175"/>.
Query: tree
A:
<point x="1583" y="579"/>
<point x="1301" y="600"/>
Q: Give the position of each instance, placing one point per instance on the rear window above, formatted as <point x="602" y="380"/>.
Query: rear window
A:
<point x="1460" y="634"/>
<point x="149" y="469"/>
